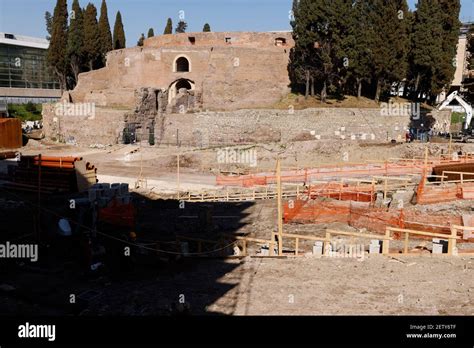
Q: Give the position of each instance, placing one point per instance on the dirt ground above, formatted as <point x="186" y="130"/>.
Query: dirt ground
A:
<point x="198" y="167"/>
<point x="421" y="284"/>
<point x="374" y="286"/>
<point x="255" y="286"/>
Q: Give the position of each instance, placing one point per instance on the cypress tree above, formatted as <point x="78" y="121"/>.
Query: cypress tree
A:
<point x="433" y="45"/>
<point x="446" y="64"/>
<point x="57" y="51"/>
<point x="181" y="28"/>
<point x="470" y="36"/>
<point x="151" y="32"/>
<point x="302" y="55"/>
<point x="75" y="47"/>
<point x="206" y="28"/>
<point x="425" y="47"/>
<point x="141" y="40"/>
<point x="390" y="44"/>
<point x="358" y="45"/>
<point x="104" y="32"/>
<point x="92" y="47"/>
<point x="49" y="24"/>
<point x="169" y="27"/>
<point x="470" y="86"/>
<point x="119" y="33"/>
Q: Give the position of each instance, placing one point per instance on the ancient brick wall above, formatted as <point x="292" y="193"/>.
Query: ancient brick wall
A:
<point x="248" y="71"/>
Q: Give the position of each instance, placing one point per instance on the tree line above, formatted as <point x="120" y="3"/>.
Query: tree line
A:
<point x="78" y="42"/>
<point x="367" y="47"/>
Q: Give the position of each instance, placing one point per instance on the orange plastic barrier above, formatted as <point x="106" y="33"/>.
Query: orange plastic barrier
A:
<point x="118" y="214"/>
<point x="429" y="194"/>
<point x="394" y="168"/>
<point x="342" y="192"/>
<point x="361" y="215"/>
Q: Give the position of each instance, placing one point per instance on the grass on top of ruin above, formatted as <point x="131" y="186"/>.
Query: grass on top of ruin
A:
<point x="299" y="102"/>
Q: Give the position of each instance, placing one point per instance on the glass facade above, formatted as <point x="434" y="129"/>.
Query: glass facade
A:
<point x="25" y="67"/>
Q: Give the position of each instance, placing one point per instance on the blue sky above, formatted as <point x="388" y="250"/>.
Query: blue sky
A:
<point x="27" y="16"/>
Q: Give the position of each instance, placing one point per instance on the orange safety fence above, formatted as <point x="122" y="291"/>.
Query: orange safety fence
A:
<point x="342" y="192"/>
<point x="429" y="194"/>
<point x="389" y="168"/>
<point x="362" y="215"/>
<point x="118" y="214"/>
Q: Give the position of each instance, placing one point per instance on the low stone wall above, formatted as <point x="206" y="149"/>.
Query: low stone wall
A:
<point x="103" y="127"/>
<point x="234" y="127"/>
<point x="250" y="126"/>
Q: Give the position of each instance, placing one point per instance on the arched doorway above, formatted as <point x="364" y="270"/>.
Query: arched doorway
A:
<point x="175" y="86"/>
<point x="183" y="84"/>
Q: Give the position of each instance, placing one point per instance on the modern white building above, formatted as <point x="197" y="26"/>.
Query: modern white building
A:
<point x="24" y="75"/>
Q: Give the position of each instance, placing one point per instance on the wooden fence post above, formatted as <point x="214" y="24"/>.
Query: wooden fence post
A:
<point x="452" y="241"/>
<point x="386" y="242"/>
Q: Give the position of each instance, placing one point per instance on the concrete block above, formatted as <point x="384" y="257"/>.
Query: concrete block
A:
<point x="318" y="250"/>
<point x="123" y="189"/>
<point x="185" y="248"/>
<point x="109" y="193"/>
<point x="440" y="246"/>
<point x="92" y="194"/>
<point x="374" y="249"/>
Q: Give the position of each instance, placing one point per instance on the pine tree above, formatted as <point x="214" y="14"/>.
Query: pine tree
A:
<point x="92" y="47"/>
<point x="181" y="28"/>
<point x="119" y="33"/>
<point x="57" y="51"/>
<point x="206" y="28"/>
<point x="141" y="40"/>
<point x="151" y="32"/>
<point x="104" y="33"/>
<point x="75" y="47"/>
<point x="169" y="27"/>
<point x="49" y="24"/>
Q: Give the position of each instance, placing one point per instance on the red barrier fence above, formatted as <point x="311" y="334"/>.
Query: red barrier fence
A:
<point x="392" y="168"/>
<point x="361" y="215"/>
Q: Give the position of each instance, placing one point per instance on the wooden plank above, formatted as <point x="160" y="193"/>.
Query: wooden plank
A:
<point x="421" y="233"/>
<point x="356" y="234"/>
<point x="280" y="213"/>
<point x="301" y="236"/>
<point x="452" y="241"/>
<point x="405" y="249"/>
<point x="386" y="242"/>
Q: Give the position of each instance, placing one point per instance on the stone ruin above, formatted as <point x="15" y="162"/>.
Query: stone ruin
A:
<point x="150" y="107"/>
